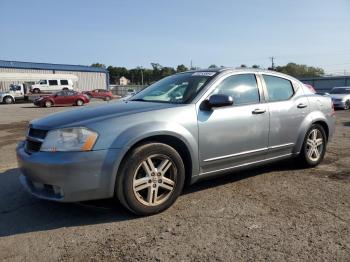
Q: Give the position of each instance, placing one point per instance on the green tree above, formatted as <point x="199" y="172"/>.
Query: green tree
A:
<point x="243" y="66"/>
<point x="213" y="66"/>
<point x="255" y="66"/>
<point x="300" y="70"/>
<point x="98" y="65"/>
<point x="181" y="68"/>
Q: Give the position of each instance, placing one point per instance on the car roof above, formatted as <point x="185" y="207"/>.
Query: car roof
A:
<point x="241" y="70"/>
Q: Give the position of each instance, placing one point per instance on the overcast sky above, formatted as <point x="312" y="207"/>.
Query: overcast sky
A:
<point x="135" y="33"/>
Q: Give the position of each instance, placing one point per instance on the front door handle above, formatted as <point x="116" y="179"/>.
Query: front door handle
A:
<point x="258" y="111"/>
<point x="302" y="105"/>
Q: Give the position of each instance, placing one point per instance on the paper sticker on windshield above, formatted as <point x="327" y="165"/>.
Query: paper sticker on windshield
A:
<point x="203" y="73"/>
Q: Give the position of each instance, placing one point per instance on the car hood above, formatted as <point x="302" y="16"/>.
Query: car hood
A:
<point x="85" y="115"/>
<point x="339" y="96"/>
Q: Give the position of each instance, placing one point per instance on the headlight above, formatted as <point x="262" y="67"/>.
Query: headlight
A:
<point x="69" y="139"/>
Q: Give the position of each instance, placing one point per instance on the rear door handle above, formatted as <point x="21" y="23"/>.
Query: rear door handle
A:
<point x="258" y="111"/>
<point x="302" y="105"/>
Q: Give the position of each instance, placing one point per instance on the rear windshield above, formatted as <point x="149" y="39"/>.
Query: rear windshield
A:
<point x="340" y="91"/>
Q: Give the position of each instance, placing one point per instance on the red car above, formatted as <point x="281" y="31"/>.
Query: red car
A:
<point x="99" y="93"/>
<point x="62" y="98"/>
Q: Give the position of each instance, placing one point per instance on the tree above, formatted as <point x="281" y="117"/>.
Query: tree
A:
<point x="299" y="70"/>
<point x="255" y="66"/>
<point x="181" y="68"/>
<point x="213" y="66"/>
<point x="243" y="66"/>
<point x="98" y="65"/>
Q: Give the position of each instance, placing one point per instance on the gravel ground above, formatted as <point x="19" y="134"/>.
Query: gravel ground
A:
<point x="274" y="213"/>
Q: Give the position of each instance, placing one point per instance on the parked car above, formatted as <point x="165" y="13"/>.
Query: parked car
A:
<point x="341" y="97"/>
<point x="142" y="151"/>
<point x="99" y="93"/>
<point x="51" y="85"/>
<point x="62" y="98"/>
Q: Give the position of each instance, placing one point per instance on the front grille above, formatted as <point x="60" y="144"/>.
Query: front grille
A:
<point x="37" y="133"/>
<point x="34" y="139"/>
<point x="32" y="146"/>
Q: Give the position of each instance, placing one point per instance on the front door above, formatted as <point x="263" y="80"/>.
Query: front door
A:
<point x="235" y="135"/>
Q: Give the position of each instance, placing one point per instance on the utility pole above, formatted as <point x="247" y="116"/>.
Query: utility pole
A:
<point x="272" y="62"/>
<point x="191" y="65"/>
<point x="141" y="75"/>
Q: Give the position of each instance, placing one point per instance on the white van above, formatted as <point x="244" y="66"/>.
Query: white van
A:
<point x="52" y="85"/>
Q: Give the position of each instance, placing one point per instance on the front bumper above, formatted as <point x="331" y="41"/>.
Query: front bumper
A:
<point x="338" y="104"/>
<point x="68" y="176"/>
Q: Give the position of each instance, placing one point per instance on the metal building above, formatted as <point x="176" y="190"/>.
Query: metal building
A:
<point x="88" y="77"/>
<point x="326" y="83"/>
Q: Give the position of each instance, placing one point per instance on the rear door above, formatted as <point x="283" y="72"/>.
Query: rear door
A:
<point x="234" y="135"/>
<point x="288" y="108"/>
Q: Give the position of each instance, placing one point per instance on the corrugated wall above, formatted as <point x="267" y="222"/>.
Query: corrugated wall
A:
<point x="87" y="80"/>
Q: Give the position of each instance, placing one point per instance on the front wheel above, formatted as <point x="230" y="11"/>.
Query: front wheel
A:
<point x="48" y="104"/>
<point x="314" y="146"/>
<point x="9" y="100"/>
<point x="150" y="179"/>
<point x="347" y="105"/>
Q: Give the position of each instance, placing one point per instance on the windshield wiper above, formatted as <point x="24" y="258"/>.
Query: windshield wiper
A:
<point x="139" y="99"/>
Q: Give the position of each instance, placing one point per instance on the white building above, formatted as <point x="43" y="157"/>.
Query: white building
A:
<point x="88" y="77"/>
<point x="123" y="81"/>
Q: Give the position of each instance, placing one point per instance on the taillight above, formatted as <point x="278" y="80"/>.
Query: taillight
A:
<point x="333" y="110"/>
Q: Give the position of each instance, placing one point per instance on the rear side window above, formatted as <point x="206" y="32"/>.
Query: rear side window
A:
<point x="64" y="82"/>
<point x="242" y="88"/>
<point x="53" y="82"/>
<point x="279" y="89"/>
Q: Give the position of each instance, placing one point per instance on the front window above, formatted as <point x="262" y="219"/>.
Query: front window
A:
<point x="42" y="82"/>
<point x="179" y="88"/>
<point x="340" y="91"/>
<point x="242" y="88"/>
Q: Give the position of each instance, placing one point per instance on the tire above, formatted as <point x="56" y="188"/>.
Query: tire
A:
<point x="142" y="189"/>
<point x="36" y="90"/>
<point x="79" y="102"/>
<point x="312" y="142"/>
<point x="48" y="103"/>
<point x="8" y="100"/>
<point x="65" y="89"/>
<point x="347" y="105"/>
<point x="107" y="98"/>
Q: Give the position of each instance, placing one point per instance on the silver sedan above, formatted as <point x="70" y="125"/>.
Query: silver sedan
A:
<point x="181" y="129"/>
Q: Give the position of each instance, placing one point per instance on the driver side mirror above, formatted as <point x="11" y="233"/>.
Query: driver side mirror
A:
<point x="217" y="101"/>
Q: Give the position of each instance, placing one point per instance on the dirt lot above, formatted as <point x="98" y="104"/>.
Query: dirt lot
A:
<point x="274" y="213"/>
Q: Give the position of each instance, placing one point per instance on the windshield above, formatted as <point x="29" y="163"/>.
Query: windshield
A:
<point x="178" y="89"/>
<point x="340" y="91"/>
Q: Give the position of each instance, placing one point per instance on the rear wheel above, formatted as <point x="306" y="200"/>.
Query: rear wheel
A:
<point x="48" y="103"/>
<point x="150" y="179"/>
<point x="107" y="98"/>
<point x="314" y="146"/>
<point x="8" y="100"/>
<point x="36" y="90"/>
<point x="65" y="89"/>
<point x="79" y="102"/>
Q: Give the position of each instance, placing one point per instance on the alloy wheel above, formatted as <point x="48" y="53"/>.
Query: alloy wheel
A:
<point x="154" y="180"/>
<point x="314" y="145"/>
